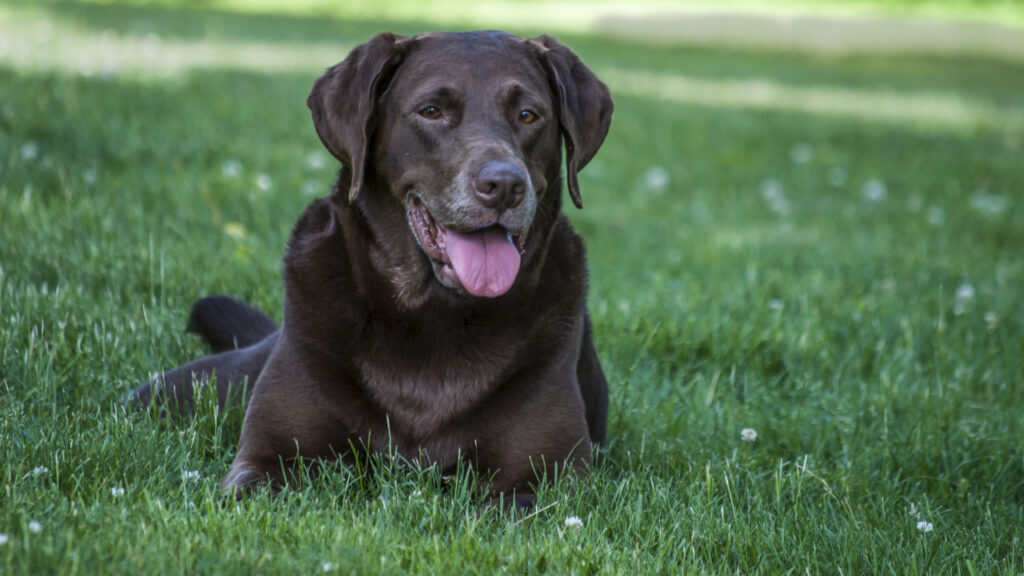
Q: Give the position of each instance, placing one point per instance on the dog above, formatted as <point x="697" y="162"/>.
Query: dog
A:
<point x="435" y="300"/>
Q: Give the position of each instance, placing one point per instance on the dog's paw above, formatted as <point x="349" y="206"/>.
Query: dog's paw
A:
<point x="242" y="482"/>
<point x="519" y="504"/>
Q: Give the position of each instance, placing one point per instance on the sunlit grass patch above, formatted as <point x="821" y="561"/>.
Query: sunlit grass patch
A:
<point x="946" y="110"/>
<point x="40" y="39"/>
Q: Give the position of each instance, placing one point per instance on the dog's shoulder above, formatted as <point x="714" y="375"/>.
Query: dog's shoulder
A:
<point x="317" y="224"/>
<point x="319" y="280"/>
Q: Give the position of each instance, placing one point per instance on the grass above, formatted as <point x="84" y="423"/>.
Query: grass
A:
<point x="845" y="279"/>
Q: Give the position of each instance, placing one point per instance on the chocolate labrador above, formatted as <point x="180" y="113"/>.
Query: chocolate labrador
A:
<point x="435" y="301"/>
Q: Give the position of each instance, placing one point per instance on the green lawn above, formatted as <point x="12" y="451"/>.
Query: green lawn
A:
<point x="829" y="251"/>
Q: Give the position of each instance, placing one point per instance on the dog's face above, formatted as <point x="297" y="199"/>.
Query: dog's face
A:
<point x="470" y="140"/>
<point x="464" y="132"/>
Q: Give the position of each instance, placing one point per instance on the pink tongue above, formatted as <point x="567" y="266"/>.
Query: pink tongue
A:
<point x="486" y="261"/>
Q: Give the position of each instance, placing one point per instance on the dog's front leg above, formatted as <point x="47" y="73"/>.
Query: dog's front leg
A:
<point x="545" y="436"/>
<point x="288" y="417"/>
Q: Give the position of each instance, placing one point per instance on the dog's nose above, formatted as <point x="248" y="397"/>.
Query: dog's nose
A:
<point x="500" y="185"/>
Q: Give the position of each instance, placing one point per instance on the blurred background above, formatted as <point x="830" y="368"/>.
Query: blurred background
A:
<point x="126" y="35"/>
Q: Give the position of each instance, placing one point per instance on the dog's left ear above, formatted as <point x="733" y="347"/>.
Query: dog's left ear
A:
<point x="585" y="107"/>
<point x="343" y="100"/>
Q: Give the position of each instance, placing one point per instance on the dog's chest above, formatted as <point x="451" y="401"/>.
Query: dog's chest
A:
<point x="425" y="384"/>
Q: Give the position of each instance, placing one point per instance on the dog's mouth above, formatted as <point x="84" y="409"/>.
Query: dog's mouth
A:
<point x="484" y="262"/>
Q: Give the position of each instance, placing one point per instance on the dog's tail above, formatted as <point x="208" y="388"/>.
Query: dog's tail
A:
<point x="226" y="323"/>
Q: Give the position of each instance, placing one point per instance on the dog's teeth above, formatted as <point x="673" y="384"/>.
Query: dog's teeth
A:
<point x="508" y="235"/>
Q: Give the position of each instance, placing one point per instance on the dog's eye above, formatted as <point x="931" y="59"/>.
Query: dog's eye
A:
<point x="528" y="117"/>
<point x="430" y="112"/>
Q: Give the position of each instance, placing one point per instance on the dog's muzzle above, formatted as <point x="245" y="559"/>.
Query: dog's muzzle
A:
<point x="484" y="262"/>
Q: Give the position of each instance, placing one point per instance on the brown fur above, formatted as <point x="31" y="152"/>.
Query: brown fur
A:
<point x="381" y="346"/>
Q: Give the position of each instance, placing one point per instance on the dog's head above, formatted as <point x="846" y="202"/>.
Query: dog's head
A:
<point x="464" y="132"/>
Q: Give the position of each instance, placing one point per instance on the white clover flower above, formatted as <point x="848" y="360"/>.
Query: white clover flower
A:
<point x="40" y="471"/>
<point x="117" y="491"/>
<point x="657" y="178"/>
<point x="35" y="527"/>
<point x="771" y="190"/>
<point x="3" y="539"/>
<point x="231" y="168"/>
<point x="327" y="566"/>
<point x="874" y="190"/>
<point x="573" y="522"/>
<point x="992" y="320"/>
<point x="965" y="292"/>
<point x="775" y="304"/>
<point x="316" y="160"/>
<point x="748" y="435"/>
<point x="924" y="526"/>
<point x="29" y="151"/>
<point x="988" y="203"/>
<point x="263" y="182"/>
<point x="187" y="475"/>
<point x="801" y="153"/>
<point x="964" y="295"/>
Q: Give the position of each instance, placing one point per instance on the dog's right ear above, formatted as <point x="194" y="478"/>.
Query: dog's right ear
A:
<point x="343" y="100"/>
